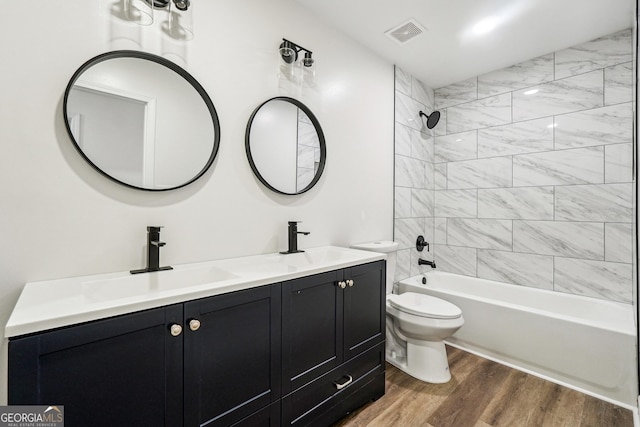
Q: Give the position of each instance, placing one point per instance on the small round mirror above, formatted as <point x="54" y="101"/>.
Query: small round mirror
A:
<point x="285" y="146"/>
<point x="141" y="120"/>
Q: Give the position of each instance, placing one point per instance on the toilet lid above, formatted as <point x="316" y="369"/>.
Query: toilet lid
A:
<point x="424" y="306"/>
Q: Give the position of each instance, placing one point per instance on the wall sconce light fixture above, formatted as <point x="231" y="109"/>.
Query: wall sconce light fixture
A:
<point x="289" y="52"/>
<point x="179" y="23"/>
<point x="432" y="119"/>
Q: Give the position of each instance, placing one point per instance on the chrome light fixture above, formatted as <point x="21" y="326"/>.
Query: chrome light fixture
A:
<point x="289" y="53"/>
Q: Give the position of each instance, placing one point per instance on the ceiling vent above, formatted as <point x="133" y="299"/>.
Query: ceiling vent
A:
<point x="406" y="31"/>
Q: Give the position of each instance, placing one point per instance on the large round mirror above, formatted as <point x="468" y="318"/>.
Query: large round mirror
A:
<point x="141" y="120"/>
<point x="285" y="146"/>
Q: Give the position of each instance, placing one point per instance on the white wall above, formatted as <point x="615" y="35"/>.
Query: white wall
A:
<point x="60" y="218"/>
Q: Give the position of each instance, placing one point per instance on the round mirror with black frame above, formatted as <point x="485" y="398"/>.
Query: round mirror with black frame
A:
<point x="141" y="120"/>
<point x="285" y="146"/>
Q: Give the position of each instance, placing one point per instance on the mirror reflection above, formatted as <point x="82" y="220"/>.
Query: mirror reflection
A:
<point x="141" y="120"/>
<point x="285" y="146"/>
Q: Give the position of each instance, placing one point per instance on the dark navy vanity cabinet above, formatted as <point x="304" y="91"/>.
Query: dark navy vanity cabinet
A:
<point x="333" y="331"/>
<point x="301" y="352"/>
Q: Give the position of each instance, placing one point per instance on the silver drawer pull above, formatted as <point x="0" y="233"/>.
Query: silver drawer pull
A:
<point x="340" y="386"/>
<point x="342" y="284"/>
<point x="350" y="282"/>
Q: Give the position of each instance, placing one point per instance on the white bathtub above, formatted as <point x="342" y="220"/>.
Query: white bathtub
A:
<point x="583" y="343"/>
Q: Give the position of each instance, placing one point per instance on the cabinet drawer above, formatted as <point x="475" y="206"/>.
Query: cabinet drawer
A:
<point x="334" y="388"/>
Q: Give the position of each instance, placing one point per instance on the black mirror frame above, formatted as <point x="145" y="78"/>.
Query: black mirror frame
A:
<point x="172" y="66"/>
<point x="316" y="125"/>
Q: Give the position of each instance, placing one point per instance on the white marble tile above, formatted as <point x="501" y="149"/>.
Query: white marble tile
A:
<point x="618" y="163"/>
<point x="440" y="176"/>
<point x="402" y="81"/>
<point x="454" y="259"/>
<point x="576" y="166"/>
<point x="517" y="138"/>
<point x="483" y="173"/>
<point x="600" y="126"/>
<point x="602" y="202"/>
<point x="422" y="203"/>
<point x="422" y="146"/>
<point x="618" y="84"/>
<point x="403" y="265"/>
<point x="524" y="74"/>
<point x="409" y="172"/>
<point x="559" y="238"/>
<point x="609" y="50"/>
<point x="440" y="230"/>
<point x="407" y="231"/>
<point x="403" y="139"/>
<point x="408" y="110"/>
<point x="457" y="146"/>
<point x="492" y="111"/>
<point x="516" y="203"/>
<point x="456" y="203"/>
<point x="402" y="202"/>
<point x="599" y="279"/>
<point x="480" y="233"/>
<point x="422" y="93"/>
<point x="304" y="177"/>
<point x="429" y="176"/>
<point x="535" y="271"/>
<point x="618" y="242"/>
<point x="457" y="93"/>
<point x="561" y="96"/>
<point x="305" y="156"/>
<point x="441" y="127"/>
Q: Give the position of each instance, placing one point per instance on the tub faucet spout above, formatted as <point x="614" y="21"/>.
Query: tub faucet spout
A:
<point x="425" y="262"/>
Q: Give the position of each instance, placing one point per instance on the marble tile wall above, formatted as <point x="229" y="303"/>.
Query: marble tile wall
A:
<point x="530" y="169"/>
<point x="414" y="173"/>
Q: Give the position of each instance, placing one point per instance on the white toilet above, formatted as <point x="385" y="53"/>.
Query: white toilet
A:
<point x="417" y="324"/>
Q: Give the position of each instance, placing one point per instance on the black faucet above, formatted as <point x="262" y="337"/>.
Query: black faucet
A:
<point x="153" y="251"/>
<point x="425" y="262"/>
<point x="293" y="238"/>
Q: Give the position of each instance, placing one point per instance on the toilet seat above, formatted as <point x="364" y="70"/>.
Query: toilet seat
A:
<point x="424" y="306"/>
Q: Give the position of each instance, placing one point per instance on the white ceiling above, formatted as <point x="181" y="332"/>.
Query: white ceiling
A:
<point x="450" y="52"/>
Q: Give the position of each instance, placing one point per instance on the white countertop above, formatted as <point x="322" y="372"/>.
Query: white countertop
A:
<point x="55" y="303"/>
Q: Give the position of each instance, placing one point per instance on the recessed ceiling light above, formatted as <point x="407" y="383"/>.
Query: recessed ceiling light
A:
<point x="531" y="92"/>
<point x="486" y="25"/>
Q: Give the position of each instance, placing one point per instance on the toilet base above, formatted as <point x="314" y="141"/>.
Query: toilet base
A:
<point x="427" y="361"/>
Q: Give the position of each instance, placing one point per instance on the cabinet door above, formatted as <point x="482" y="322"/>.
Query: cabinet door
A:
<point x="122" y="371"/>
<point x="232" y="360"/>
<point x="311" y="328"/>
<point x="364" y="307"/>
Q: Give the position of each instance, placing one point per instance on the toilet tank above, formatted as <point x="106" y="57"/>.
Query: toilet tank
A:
<point x="386" y="247"/>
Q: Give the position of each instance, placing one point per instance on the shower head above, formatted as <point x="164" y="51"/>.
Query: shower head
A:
<point x="432" y="119"/>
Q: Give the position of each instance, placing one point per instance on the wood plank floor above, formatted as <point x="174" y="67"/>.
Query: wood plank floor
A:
<point x="483" y="393"/>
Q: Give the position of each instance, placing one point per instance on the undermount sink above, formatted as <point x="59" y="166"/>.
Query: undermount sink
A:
<point x="315" y="256"/>
<point x="159" y="281"/>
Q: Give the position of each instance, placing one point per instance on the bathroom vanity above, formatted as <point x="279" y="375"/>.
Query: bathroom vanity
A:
<point x="266" y="340"/>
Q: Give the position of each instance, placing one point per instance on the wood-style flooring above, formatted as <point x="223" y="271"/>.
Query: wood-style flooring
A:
<point x="483" y="393"/>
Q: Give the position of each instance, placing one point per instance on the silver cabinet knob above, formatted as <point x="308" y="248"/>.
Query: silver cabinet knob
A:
<point x="350" y="282"/>
<point x="194" y="324"/>
<point x="342" y="284"/>
<point x="175" y="329"/>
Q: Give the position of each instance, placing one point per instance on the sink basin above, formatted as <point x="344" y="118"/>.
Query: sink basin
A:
<point x="149" y="283"/>
<point x="313" y="257"/>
